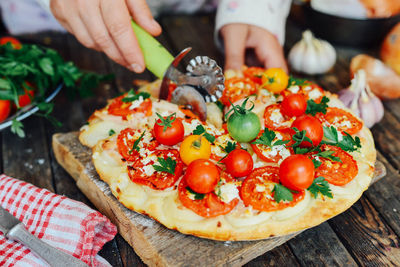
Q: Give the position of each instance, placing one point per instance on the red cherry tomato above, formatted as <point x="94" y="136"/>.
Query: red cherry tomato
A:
<point x="5" y="108"/>
<point x="294" y="105"/>
<point x="296" y="172"/>
<point x="254" y="74"/>
<point x="26" y="99"/>
<point x="313" y="128"/>
<point x="239" y="163"/>
<point x="14" y="42"/>
<point x="169" y="135"/>
<point x="202" y="176"/>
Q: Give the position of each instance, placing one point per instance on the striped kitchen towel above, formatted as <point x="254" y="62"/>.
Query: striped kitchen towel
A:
<point x="68" y="225"/>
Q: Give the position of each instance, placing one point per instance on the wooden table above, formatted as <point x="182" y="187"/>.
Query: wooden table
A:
<point x="367" y="234"/>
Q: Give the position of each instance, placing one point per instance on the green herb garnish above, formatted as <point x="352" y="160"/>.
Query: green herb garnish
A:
<point x="268" y="137"/>
<point x="282" y="193"/>
<point x="111" y="132"/>
<point x="133" y="96"/>
<point x="200" y="130"/>
<point x="347" y="143"/>
<point x="166" y="165"/>
<point x="197" y="196"/>
<point x="320" y="185"/>
<point x="135" y="146"/>
<point x="313" y="108"/>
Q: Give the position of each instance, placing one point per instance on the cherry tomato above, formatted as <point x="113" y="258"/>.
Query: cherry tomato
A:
<point x="14" y="42"/>
<point x="202" y="176"/>
<point x="125" y="141"/>
<point x="275" y="80"/>
<point x="236" y="89"/>
<point x="239" y="163"/>
<point x="171" y="134"/>
<point x="210" y="205"/>
<point x="294" y="105"/>
<point x="26" y="99"/>
<point x="275" y="120"/>
<point x="313" y="129"/>
<point x="264" y="151"/>
<point x="334" y="172"/>
<point x="344" y="121"/>
<point x="159" y="180"/>
<point x="254" y="74"/>
<point x="5" y="108"/>
<point x="296" y="172"/>
<point x="120" y="108"/>
<point x="256" y="190"/>
<point x="194" y="147"/>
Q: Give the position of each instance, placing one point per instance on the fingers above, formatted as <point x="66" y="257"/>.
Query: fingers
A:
<point x="90" y="14"/>
<point x="234" y="36"/>
<point x="141" y="15"/>
<point x="118" y="22"/>
<point x="267" y="48"/>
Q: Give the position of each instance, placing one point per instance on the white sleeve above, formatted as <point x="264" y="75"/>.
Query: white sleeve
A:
<point x="268" y="14"/>
<point x="45" y="4"/>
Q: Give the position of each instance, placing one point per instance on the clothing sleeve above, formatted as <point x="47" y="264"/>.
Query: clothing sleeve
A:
<point x="268" y="14"/>
<point x="45" y="4"/>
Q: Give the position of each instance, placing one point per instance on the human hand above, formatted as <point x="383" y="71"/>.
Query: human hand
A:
<point x="105" y="25"/>
<point x="237" y="37"/>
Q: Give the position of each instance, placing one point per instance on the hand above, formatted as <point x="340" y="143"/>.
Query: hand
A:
<point x="105" y="25"/>
<point x="237" y="37"/>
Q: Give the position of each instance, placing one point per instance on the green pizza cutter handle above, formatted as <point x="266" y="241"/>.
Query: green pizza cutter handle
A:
<point x="156" y="56"/>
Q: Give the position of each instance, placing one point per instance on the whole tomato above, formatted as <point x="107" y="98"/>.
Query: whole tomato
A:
<point x="194" y="147"/>
<point x="296" y="172"/>
<point x="275" y="80"/>
<point x="202" y="176"/>
<point x="294" y="105"/>
<point x="5" y="108"/>
<point x="313" y="128"/>
<point x="239" y="163"/>
<point x="13" y="41"/>
<point x="169" y="130"/>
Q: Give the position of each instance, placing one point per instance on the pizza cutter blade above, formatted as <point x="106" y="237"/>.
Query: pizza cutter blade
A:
<point x="204" y="77"/>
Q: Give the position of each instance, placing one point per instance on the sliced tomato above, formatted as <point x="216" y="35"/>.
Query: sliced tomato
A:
<point x="210" y="205"/>
<point x="120" y="108"/>
<point x="264" y="152"/>
<point x="254" y="74"/>
<point x="159" y="180"/>
<point x="126" y="140"/>
<point x="334" y="172"/>
<point x="344" y="121"/>
<point x="189" y="115"/>
<point x="236" y="89"/>
<point x="313" y="91"/>
<point x="275" y="120"/>
<point x="257" y="189"/>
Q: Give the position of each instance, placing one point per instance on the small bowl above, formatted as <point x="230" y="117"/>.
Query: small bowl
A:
<point x="348" y="31"/>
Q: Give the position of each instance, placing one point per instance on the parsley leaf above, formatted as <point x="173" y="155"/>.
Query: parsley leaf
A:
<point x="200" y="130"/>
<point x="230" y="146"/>
<point x="328" y="154"/>
<point x="317" y="163"/>
<point x="111" y="132"/>
<point x="133" y="96"/>
<point x="268" y="137"/>
<point x="348" y="143"/>
<point x="166" y="165"/>
<point x="136" y="144"/>
<point x="297" y="81"/>
<point x="313" y="108"/>
<point x="282" y="193"/>
<point x="197" y="196"/>
<point x="298" y="138"/>
<point x="320" y="185"/>
<point x="17" y="128"/>
<point x="167" y="122"/>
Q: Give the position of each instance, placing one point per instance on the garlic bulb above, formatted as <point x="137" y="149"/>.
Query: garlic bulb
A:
<point x="311" y="55"/>
<point x="360" y="99"/>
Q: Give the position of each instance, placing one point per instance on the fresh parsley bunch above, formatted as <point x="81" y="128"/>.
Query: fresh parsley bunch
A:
<point x="45" y="69"/>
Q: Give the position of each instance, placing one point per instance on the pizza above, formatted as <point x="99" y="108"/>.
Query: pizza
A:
<point x="276" y="155"/>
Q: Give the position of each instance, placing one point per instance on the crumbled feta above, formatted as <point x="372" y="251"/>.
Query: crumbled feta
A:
<point x="260" y="188"/>
<point x="294" y="89"/>
<point x="276" y="116"/>
<point x="227" y="192"/>
<point x="136" y="103"/>
<point x="190" y="126"/>
<point x="314" y="94"/>
<point x="275" y="150"/>
<point x="340" y="135"/>
<point x="148" y="170"/>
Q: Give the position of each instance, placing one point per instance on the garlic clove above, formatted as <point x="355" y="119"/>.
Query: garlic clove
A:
<point x="367" y="111"/>
<point x="378" y="107"/>
<point x="346" y="96"/>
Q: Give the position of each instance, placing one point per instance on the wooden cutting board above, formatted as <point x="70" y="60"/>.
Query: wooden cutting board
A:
<point x="155" y="244"/>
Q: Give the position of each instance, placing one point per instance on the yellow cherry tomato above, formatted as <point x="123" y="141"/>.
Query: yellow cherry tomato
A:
<point x="275" y="80"/>
<point x="195" y="147"/>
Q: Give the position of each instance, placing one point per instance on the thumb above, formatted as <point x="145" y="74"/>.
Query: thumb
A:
<point x="234" y="36"/>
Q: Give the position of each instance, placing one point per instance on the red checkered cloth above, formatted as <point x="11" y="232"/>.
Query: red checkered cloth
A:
<point x="68" y="225"/>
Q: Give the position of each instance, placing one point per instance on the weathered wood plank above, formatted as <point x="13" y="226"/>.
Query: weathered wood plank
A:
<point x="279" y="256"/>
<point x="320" y="246"/>
<point x="367" y="236"/>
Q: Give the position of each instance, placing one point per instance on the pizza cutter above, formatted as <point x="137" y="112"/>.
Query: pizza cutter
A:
<point x="203" y="81"/>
